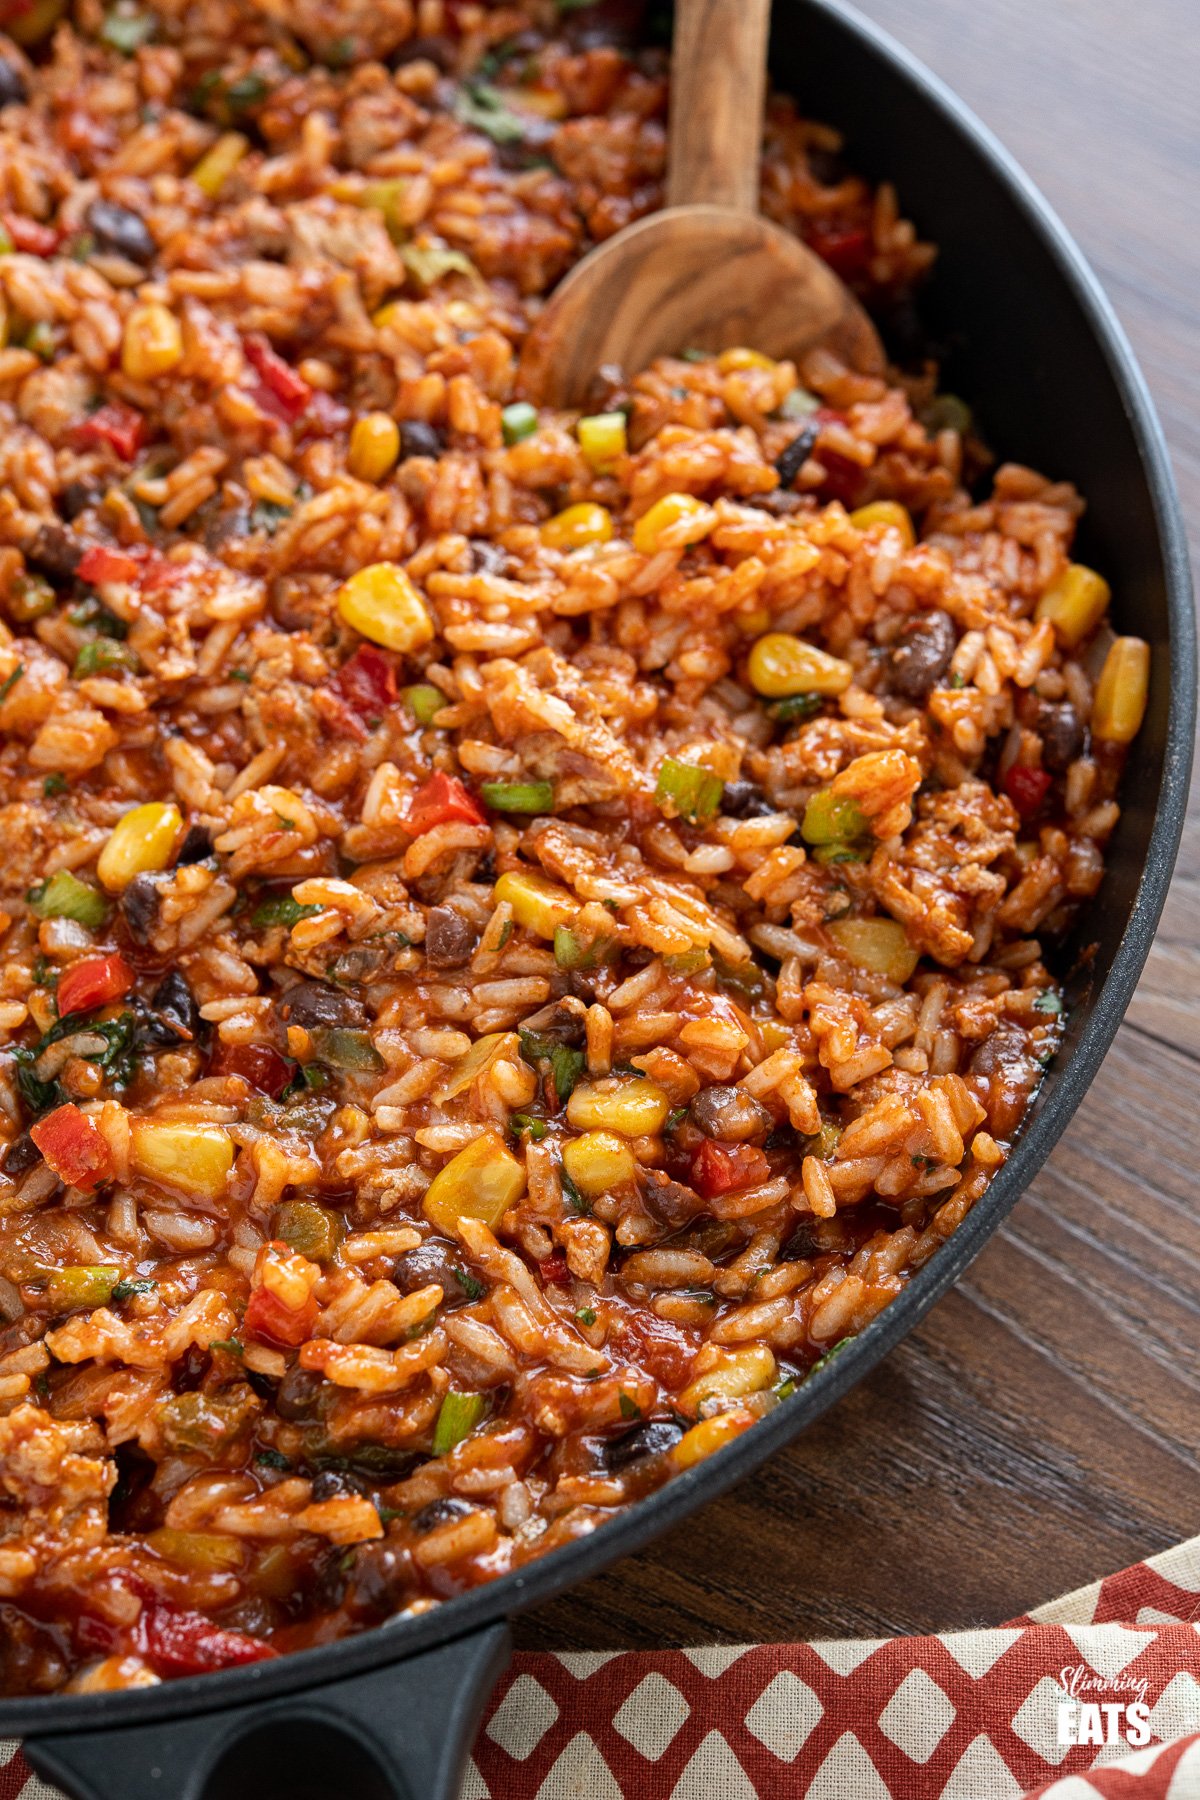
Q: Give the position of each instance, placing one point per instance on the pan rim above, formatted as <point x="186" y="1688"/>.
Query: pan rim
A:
<point x="396" y="1640"/>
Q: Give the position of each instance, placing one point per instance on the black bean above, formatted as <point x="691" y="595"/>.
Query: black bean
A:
<point x="652" y="1438"/>
<point x="731" y="1114"/>
<point x="1003" y="1048"/>
<point x="139" y="907"/>
<point x="440" y="1512"/>
<point x="22" y="1154"/>
<point x="419" y="439"/>
<point x="77" y="496"/>
<point x="435" y="1262"/>
<point x="12" y="84"/>
<point x="1062" y="735"/>
<point x="298" y="1394"/>
<point x="329" y="1484"/>
<point x="802" y="1244"/>
<point x="562" y="1021"/>
<point x="382" y="1579"/>
<point x="745" y="800"/>
<point x="196" y="846"/>
<point x="488" y="558"/>
<point x="122" y="232"/>
<point x="789" y="464"/>
<point x="316" y="1003"/>
<point x="54" y="551"/>
<point x="449" y="940"/>
<point x="669" y="1200"/>
<point x="176" y="1007"/>
<point x="921" y="654"/>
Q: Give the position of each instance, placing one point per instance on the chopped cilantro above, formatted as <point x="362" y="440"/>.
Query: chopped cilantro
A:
<point x="629" y="1407"/>
<point x="271" y="1458"/>
<point x="54" y="784"/>
<point x="125" y="1290"/>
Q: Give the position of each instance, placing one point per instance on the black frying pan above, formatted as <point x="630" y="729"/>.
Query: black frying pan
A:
<point x="1034" y="347"/>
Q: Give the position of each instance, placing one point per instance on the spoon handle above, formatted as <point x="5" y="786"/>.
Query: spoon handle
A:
<point x="718" y="80"/>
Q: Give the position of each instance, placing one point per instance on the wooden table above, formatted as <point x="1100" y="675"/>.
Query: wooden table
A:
<point x="1043" y="1425"/>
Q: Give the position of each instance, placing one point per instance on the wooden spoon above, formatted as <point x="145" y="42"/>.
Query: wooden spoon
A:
<point x="706" y="272"/>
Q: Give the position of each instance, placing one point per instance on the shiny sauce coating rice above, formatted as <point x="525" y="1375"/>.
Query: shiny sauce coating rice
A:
<point x="522" y="932"/>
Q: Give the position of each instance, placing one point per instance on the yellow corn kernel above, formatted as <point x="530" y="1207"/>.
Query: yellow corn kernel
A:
<point x="598" y="1161"/>
<point x="374" y="446"/>
<point x="538" y="904"/>
<point x="780" y="664"/>
<point x="481" y="1182"/>
<point x="204" y="1551"/>
<point x="586" y="523"/>
<point x="182" y="1154"/>
<point x="1121" y="691"/>
<point x="880" y="946"/>
<point x="152" y="343"/>
<point x="139" y="844"/>
<point x="673" y="523"/>
<point x="739" y="357"/>
<point x="1075" y="602"/>
<point x="738" y="1373"/>
<point x="217" y="165"/>
<point x="883" y="515"/>
<point x="382" y="603"/>
<point x="634" y="1108"/>
<point x="602" y="438"/>
<point x="480" y="1056"/>
<point x="709" y="1435"/>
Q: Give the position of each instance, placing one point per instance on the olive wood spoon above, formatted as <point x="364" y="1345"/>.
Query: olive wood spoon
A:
<point x="708" y="271"/>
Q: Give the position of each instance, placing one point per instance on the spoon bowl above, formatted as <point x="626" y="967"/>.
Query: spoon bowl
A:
<point x="708" y="271"/>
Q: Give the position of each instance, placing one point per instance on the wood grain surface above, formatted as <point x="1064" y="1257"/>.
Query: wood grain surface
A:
<point x="1043" y="1426"/>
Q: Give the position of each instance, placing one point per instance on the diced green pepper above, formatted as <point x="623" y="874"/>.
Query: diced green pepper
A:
<point x="101" y="656"/>
<point x="424" y="702"/>
<point x="206" y="1422"/>
<point x="530" y="797"/>
<point x="82" y="1285"/>
<point x="571" y="953"/>
<point x="64" y="896"/>
<point x="309" y="1229"/>
<point x="831" y="818"/>
<point x="688" y="790"/>
<point x="518" y="421"/>
<point x="686" y="962"/>
<point x="457" y="1419"/>
<point x="30" y="597"/>
<point x="795" y="707"/>
<point x="566" y="1066"/>
<point x="345" y="1047"/>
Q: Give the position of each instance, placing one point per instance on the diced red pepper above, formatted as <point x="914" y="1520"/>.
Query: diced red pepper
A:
<point x="86" y="985"/>
<point x="553" y="1269"/>
<point x="258" y="1064"/>
<point x="664" y="1350"/>
<point x="116" y="425"/>
<point x="847" y="249"/>
<point x="100" y="563"/>
<point x="270" y="1320"/>
<point x="180" y="1642"/>
<point x="73" y="1146"/>
<point x="365" y="687"/>
<point x="29" y="235"/>
<point x="442" y="799"/>
<point x="290" y="391"/>
<point x="1026" y="788"/>
<point x="721" y="1168"/>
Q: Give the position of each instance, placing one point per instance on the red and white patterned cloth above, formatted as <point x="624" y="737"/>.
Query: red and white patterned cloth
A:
<point x="968" y="1715"/>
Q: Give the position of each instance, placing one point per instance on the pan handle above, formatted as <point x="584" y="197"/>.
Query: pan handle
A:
<point x="398" y="1733"/>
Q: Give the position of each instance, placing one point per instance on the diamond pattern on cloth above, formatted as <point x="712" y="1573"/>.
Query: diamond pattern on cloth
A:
<point x="969" y="1715"/>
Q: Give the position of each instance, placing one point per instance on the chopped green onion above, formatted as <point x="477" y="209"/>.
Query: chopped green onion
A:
<point x="629" y="1407"/>
<point x="126" y="31"/>
<point x="823" y="1361"/>
<point x="345" y="1047"/>
<point x="528" y="1125"/>
<point x="234" y="1346"/>
<point x="40" y="339"/>
<point x="471" y="1287"/>
<point x="831" y="818"/>
<point x="586" y="1315"/>
<point x="271" y="1458"/>
<point x="64" y="896"/>
<point x="529" y="797"/>
<point x="424" y="702"/>
<point x="688" y="790"/>
<point x="281" y="911"/>
<point x="1048" y="1002"/>
<point x="566" y="1066"/>
<point x="7" y="687"/>
<point x="795" y="707"/>
<point x="520" y="420"/>
<point x="54" y="784"/>
<point x="427" y="263"/>
<point x="571" y="1194"/>
<point x="799" y="404"/>
<point x="482" y="107"/>
<point x="570" y="953"/>
<point x="101" y="656"/>
<point x="458" y="1417"/>
<point x="786" y="1388"/>
<point x="675" y="1118"/>
<point x="31" y="597"/>
<point x="686" y="962"/>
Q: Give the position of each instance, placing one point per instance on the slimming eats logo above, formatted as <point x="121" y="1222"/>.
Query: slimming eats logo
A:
<point x="1093" y="1710"/>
